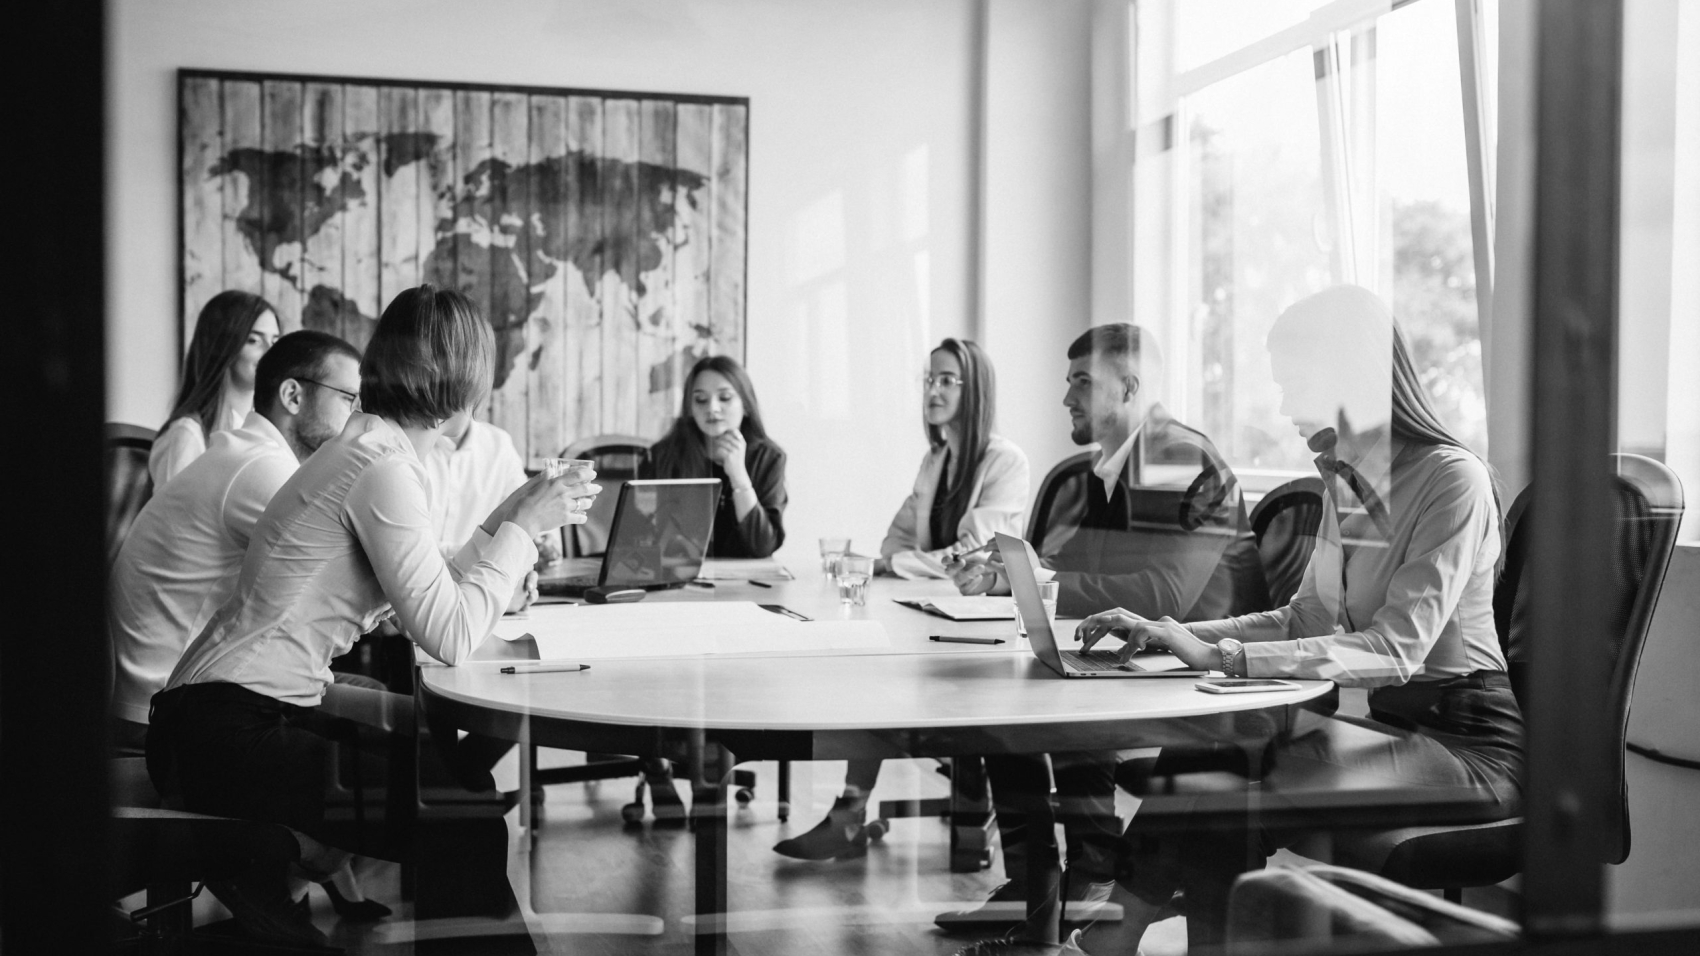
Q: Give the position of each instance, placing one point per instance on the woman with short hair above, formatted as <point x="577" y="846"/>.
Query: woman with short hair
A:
<point x="217" y="391"/>
<point x="972" y="485"/>
<point x="345" y="543"/>
<point x="719" y="434"/>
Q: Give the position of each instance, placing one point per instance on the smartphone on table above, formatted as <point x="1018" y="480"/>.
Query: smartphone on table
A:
<point x="1244" y="685"/>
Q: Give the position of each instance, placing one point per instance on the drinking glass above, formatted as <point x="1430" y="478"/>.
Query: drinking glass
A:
<point x="1048" y="591"/>
<point x="556" y="467"/>
<point x="854" y="570"/>
<point x="831" y="549"/>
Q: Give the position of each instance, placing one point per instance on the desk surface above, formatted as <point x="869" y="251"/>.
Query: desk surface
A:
<point x="915" y="684"/>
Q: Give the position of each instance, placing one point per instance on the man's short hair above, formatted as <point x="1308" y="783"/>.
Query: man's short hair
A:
<point x="1134" y="345"/>
<point x="431" y="356"/>
<point x="298" y="355"/>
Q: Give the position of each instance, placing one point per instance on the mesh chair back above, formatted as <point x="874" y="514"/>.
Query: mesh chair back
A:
<point x="1647" y="507"/>
<point x="128" y="486"/>
<point x="1284" y="524"/>
<point x="1058" y="507"/>
<point x="617" y="458"/>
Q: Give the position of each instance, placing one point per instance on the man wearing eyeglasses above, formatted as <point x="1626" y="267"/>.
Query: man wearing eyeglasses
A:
<point x="180" y="560"/>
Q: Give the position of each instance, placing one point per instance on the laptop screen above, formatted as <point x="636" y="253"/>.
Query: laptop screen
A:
<point x="1019" y="562"/>
<point x="661" y="532"/>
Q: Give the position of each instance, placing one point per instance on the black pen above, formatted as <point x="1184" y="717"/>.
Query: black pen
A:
<point x="544" y="668"/>
<point x="760" y="584"/>
<point x="703" y="584"/>
<point x="946" y="639"/>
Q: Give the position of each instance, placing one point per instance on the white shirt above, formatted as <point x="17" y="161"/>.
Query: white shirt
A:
<point x="345" y="539"/>
<point x="179" y="562"/>
<point x="467" y="481"/>
<point x="1109" y="468"/>
<point x="996" y="502"/>
<point x="1412" y="603"/>
<point x="181" y="442"/>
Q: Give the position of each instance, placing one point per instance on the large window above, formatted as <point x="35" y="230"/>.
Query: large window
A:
<point x="1307" y="145"/>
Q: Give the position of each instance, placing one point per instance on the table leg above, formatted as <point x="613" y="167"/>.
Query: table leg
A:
<point x="711" y="771"/>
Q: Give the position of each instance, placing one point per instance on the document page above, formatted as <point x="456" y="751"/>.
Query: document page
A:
<point x="975" y="608"/>
<point x="683" y="629"/>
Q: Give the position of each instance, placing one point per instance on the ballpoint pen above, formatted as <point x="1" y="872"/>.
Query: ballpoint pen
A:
<point x="544" y="668"/>
<point x="951" y="639"/>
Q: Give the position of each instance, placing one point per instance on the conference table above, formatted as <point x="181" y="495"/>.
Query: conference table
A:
<point x="913" y="698"/>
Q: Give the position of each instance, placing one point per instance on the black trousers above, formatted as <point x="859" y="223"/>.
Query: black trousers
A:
<point x="1462" y="732"/>
<point x="1085" y="806"/>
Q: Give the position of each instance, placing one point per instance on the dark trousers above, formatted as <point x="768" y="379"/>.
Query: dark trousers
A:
<point x="1085" y="805"/>
<point x="1464" y="732"/>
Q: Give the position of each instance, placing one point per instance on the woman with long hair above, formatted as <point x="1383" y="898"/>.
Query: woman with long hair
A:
<point x="233" y="330"/>
<point x="719" y="434"/>
<point x="972" y="485"/>
<point x="346" y="541"/>
<point x="1398" y="598"/>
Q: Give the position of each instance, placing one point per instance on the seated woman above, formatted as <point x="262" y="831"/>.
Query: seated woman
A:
<point x="719" y="434"/>
<point x="346" y="542"/>
<point x="972" y="485"/>
<point x="1398" y="597"/>
<point x="217" y="392"/>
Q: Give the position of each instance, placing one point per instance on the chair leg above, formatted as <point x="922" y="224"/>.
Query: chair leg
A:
<point x="784" y="790"/>
<point x="1453" y="894"/>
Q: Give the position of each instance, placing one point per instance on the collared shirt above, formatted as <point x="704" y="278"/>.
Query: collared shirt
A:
<point x="180" y="559"/>
<point x="181" y="442"/>
<point x="1109" y="468"/>
<point x="1374" y="609"/>
<point x="345" y="540"/>
<point x="467" y="480"/>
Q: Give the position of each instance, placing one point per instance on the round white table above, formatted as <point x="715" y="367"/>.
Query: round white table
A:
<point x="917" y="698"/>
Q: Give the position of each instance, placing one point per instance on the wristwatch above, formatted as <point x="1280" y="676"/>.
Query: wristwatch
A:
<point x="1233" y="657"/>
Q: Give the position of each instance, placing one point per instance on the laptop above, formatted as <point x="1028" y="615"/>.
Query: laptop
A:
<point x="1019" y="562"/>
<point x="659" y="537"/>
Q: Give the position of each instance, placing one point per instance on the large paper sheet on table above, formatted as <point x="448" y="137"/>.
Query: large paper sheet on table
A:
<point x="681" y="629"/>
<point x="975" y="608"/>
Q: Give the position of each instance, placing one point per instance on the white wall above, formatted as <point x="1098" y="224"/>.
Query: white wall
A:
<point x="861" y="147"/>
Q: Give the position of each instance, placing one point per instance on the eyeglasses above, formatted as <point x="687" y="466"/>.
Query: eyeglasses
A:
<point x="942" y="380"/>
<point x="353" y="397"/>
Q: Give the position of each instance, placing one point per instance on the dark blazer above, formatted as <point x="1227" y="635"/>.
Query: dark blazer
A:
<point x="1171" y="538"/>
<point x="763" y="530"/>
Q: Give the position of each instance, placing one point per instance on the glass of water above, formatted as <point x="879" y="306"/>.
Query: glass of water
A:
<point x="556" y="467"/>
<point x="1048" y="591"/>
<point x="831" y="549"/>
<point x="854" y="570"/>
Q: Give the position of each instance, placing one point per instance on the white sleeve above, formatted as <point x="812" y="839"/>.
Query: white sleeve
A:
<point x="179" y="444"/>
<point x="448" y="618"/>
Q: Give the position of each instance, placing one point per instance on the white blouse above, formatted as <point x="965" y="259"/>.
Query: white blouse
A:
<point x="181" y="442"/>
<point x="345" y="540"/>
<point x="996" y="502"/>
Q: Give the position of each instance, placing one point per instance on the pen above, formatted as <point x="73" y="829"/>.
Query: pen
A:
<point x="957" y="557"/>
<point x="544" y="668"/>
<point x="760" y="584"/>
<point x="703" y="584"/>
<point x="942" y="638"/>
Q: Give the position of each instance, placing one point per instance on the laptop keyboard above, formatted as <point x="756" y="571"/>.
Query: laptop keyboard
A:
<point x="1095" y="661"/>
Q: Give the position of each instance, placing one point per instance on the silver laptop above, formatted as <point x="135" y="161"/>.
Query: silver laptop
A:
<point x="1019" y="562"/>
<point x="660" y="535"/>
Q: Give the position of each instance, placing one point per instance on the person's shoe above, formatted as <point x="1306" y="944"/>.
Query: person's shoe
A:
<point x="354" y="911"/>
<point x="264" y="912"/>
<point x="1002" y="912"/>
<point x="840" y="836"/>
<point x="664" y="802"/>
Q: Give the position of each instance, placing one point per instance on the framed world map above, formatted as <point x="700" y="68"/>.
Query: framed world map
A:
<point x="602" y="233"/>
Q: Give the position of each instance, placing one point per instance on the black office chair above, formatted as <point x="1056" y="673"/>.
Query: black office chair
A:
<point x="128" y="486"/>
<point x="1060" y="502"/>
<point x="1649" y="506"/>
<point x="1285" y="524"/>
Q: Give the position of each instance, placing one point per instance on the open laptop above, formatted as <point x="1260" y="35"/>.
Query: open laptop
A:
<point x="658" y="539"/>
<point x="1019" y="562"/>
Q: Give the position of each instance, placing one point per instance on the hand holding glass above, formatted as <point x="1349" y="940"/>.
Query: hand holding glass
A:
<point x="854" y="570"/>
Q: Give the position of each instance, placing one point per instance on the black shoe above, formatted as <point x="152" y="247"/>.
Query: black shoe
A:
<point x="354" y="911"/>
<point x="664" y="801"/>
<point x="838" y="837"/>
<point x="1002" y="912"/>
<point x="259" y="901"/>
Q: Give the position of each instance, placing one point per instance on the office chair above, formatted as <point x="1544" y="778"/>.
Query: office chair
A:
<point x="1284" y="524"/>
<point x="1649" y="507"/>
<point x="128" y="486"/>
<point x="1060" y="501"/>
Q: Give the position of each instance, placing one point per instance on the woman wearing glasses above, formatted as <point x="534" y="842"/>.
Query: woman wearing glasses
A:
<point x="972" y="485"/>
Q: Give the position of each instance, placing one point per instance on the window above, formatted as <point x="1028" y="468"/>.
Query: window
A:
<point x="1306" y="145"/>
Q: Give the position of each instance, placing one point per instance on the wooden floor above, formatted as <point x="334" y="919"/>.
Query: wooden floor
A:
<point x="599" y="887"/>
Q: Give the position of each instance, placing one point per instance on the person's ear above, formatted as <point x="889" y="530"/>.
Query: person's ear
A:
<point x="291" y="395"/>
<point x="1130" y="387"/>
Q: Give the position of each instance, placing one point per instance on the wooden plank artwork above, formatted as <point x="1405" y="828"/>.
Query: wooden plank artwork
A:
<point x="602" y="236"/>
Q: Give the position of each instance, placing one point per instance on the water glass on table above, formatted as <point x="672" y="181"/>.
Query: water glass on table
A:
<point x="831" y="549"/>
<point x="1048" y="591"/>
<point x="854" y="570"/>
